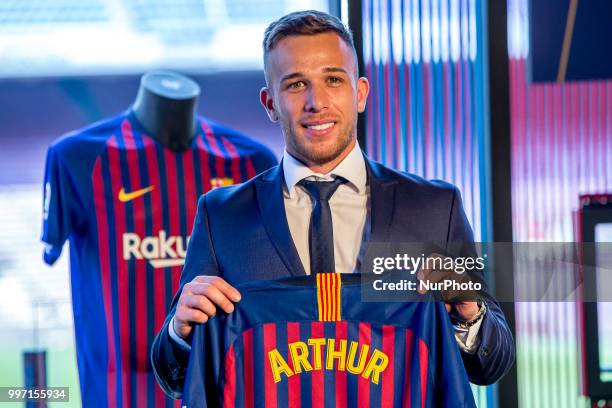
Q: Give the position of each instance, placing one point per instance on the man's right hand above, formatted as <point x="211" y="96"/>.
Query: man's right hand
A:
<point x="199" y="301"/>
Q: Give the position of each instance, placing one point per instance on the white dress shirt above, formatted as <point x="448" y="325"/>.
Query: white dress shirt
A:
<point x="350" y="212"/>
<point x="349" y="207"/>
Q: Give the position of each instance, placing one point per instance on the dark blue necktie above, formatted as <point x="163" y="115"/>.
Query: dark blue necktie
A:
<point x="321" y="232"/>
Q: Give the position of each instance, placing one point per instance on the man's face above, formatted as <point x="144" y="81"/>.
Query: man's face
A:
<point x="315" y="94"/>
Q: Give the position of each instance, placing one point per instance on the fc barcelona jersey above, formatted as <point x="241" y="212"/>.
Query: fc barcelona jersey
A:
<point x="306" y="342"/>
<point x="127" y="204"/>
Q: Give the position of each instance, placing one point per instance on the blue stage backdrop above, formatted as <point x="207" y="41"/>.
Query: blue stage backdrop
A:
<point x="427" y="113"/>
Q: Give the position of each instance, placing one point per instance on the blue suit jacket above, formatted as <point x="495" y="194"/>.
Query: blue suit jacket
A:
<point x="241" y="234"/>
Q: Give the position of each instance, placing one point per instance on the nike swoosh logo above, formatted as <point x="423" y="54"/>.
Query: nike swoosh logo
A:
<point x="125" y="197"/>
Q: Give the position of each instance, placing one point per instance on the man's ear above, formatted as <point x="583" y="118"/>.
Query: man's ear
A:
<point x="363" y="88"/>
<point x="265" y="97"/>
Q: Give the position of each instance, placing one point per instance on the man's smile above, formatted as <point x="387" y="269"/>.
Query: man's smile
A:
<point x="322" y="126"/>
<point x="319" y="128"/>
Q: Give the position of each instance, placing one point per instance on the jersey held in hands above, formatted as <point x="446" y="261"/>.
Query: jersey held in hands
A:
<point x="306" y="342"/>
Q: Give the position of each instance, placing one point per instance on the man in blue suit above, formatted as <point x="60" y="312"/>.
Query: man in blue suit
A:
<point x="321" y="207"/>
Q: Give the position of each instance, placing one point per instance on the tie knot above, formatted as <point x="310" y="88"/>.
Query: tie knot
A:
<point x="322" y="190"/>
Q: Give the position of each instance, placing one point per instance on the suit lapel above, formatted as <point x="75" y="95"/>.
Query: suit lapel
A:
<point x="269" y="190"/>
<point x="382" y="201"/>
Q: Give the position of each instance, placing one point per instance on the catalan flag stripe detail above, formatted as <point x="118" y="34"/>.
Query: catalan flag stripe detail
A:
<point x="329" y="302"/>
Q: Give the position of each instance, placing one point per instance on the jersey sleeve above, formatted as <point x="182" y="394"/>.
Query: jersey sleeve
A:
<point x="58" y="199"/>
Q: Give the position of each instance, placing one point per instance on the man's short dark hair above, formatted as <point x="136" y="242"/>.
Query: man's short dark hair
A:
<point x="308" y="22"/>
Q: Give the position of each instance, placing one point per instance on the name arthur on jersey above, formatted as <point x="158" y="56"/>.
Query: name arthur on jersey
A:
<point x="328" y="354"/>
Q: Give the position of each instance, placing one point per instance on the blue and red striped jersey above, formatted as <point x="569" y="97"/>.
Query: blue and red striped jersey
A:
<point x="305" y="342"/>
<point x="127" y="204"/>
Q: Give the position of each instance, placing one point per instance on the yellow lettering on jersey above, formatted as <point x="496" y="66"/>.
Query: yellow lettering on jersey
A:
<point x="333" y="354"/>
<point x="279" y="365"/>
<point x="377" y="364"/>
<point x="363" y="355"/>
<point x="317" y="345"/>
<point x="299" y="356"/>
<point x="309" y="356"/>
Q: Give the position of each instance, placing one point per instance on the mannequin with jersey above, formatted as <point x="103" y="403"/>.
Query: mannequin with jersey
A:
<point x="124" y="192"/>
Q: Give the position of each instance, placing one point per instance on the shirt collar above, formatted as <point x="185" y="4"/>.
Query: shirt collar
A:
<point x="352" y="168"/>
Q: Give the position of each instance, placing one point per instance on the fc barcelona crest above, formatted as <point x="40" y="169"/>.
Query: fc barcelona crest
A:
<point x="221" y="182"/>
